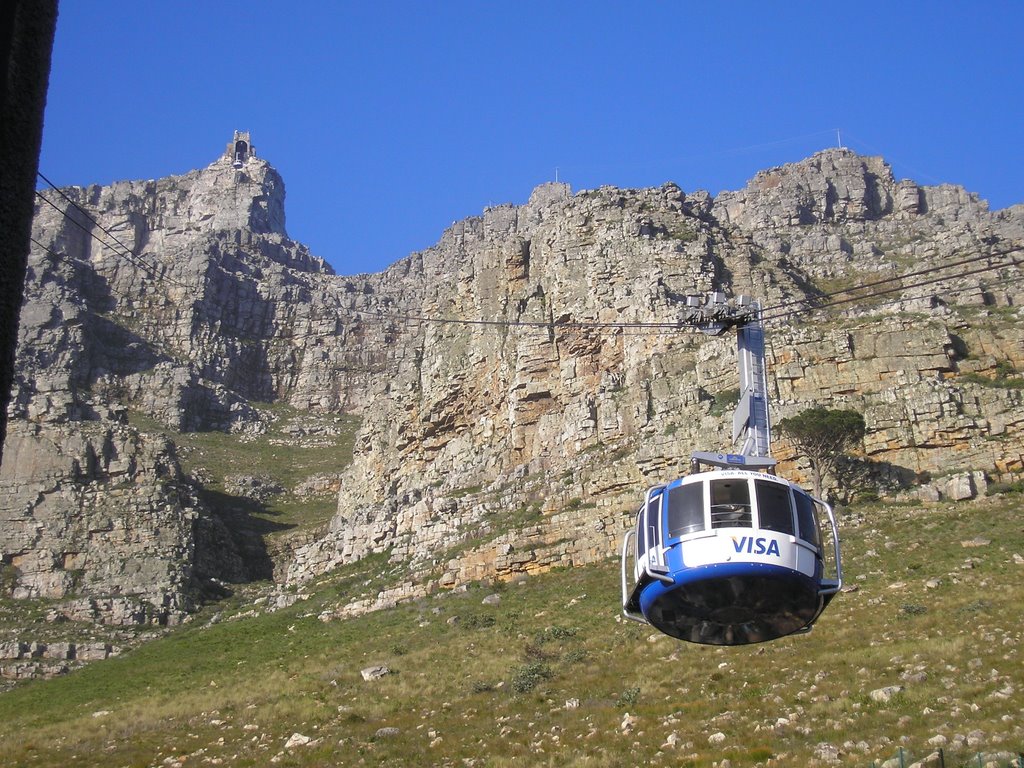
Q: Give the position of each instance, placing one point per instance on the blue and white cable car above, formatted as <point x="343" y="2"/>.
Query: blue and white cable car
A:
<point x="732" y="555"/>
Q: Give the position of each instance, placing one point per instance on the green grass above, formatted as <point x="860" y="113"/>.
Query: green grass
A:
<point x="547" y="675"/>
<point x="724" y="401"/>
<point x="215" y="456"/>
<point x="997" y="382"/>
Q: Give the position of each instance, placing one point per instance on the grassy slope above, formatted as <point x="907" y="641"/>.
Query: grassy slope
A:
<point x="489" y="684"/>
<point x="288" y="459"/>
<point x="284" y="457"/>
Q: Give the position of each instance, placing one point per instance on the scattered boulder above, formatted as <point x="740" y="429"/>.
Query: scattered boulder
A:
<point x="977" y="541"/>
<point x="960" y="487"/>
<point x="628" y="723"/>
<point x="828" y="753"/>
<point x="318" y="485"/>
<point x="256" y="487"/>
<point x="886" y="694"/>
<point x="376" y="672"/>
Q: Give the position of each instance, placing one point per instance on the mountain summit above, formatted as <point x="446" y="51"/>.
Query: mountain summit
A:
<point x="513" y="401"/>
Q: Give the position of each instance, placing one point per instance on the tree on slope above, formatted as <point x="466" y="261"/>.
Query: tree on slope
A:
<point x="824" y="436"/>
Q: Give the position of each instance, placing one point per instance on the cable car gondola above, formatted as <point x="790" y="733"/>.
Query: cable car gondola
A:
<point x="733" y="554"/>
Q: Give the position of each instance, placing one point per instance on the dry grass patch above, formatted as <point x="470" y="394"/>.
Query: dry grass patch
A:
<point x="453" y="696"/>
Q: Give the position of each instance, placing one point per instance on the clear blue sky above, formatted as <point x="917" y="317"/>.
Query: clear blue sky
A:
<point x="389" y="120"/>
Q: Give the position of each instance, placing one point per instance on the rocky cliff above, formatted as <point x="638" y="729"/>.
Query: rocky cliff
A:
<point x="184" y="301"/>
<point x="558" y="430"/>
<point x="486" y="449"/>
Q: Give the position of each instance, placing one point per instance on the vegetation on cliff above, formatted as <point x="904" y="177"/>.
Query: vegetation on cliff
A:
<point x="824" y="436"/>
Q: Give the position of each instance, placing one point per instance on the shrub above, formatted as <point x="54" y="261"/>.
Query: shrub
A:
<point x="529" y="676"/>
<point x="555" y="633"/>
<point x="477" y="621"/>
<point x="1002" y="381"/>
<point x="629" y="697"/>
<point x="1005" y="369"/>
<point x="575" y="656"/>
<point x="998" y="488"/>
<point x="534" y="651"/>
<point x="724" y="401"/>
<point x="866" y="496"/>
<point x="976" y="606"/>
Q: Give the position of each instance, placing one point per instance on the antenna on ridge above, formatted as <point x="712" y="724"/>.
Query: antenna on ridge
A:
<point x="839" y="139"/>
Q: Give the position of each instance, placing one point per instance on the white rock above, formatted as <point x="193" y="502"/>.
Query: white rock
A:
<point x="296" y="740"/>
<point x="977" y="541"/>
<point x="934" y="760"/>
<point x="960" y="487"/>
<point x="375" y="672"/>
<point x="886" y="694"/>
<point x="828" y="752"/>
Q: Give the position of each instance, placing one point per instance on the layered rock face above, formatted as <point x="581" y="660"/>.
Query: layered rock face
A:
<point x="562" y="429"/>
<point x="181" y="301"/>
<point x="98" y="512"/>
<point x="514" y="404"/>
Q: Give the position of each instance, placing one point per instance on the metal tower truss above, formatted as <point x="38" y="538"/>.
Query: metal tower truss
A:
<point x="751" y="431"/>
